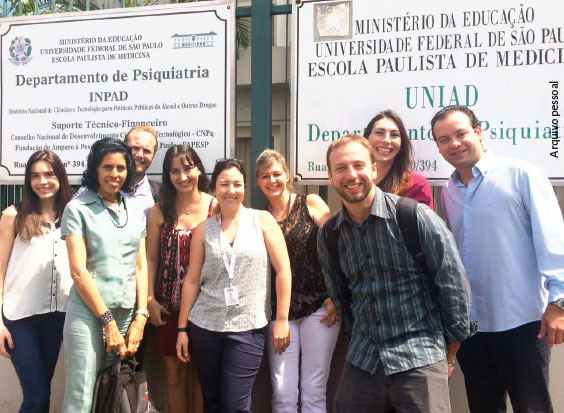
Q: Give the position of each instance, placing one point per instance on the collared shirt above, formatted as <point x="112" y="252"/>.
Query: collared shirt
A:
<point x="401" y="315"/>
<point x="112" y="244"/>
<point x="37" y="277"/>
<point x="141" y="193"/>
<point x="510" y="234"/>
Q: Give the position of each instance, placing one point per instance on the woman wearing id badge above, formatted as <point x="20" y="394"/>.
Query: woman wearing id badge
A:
<point x="105" y="238"/>
<point x="226" y="294"/>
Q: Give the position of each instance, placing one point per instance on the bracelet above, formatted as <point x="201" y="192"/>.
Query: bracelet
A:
<point x="144" y="312"/>
<point x="106" y="318"/>
<point x="182" y="329"/>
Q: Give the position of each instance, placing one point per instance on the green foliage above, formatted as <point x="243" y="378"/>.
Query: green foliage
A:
<point x="29" y="7"/>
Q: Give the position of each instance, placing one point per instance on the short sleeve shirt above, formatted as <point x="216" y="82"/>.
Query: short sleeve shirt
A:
<point x="112" y="244"/>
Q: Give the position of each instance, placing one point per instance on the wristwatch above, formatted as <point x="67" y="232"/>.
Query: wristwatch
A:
<point x="559" y="303"/>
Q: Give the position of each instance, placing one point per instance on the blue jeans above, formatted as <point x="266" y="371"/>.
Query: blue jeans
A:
<point x="227" y="366"/>
<point x="37" y="343"/>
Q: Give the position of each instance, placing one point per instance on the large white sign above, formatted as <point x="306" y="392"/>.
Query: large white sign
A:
<point x="69" y="80"/>
<point x="355" y="58"/>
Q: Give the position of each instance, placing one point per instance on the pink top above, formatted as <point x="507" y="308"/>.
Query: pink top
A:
<point x="419" y="190"/>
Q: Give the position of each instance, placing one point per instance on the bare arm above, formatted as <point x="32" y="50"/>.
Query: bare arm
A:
<point x="318" y="209"/>
<point x="278" y="254"/>
<point x="153" y="250"/>
<point x="135" y="331"/>
<point x="7" y="236"/>
<point x="320" y="212"/>
<point x="88" y="291"/>
<point x="190" y="289"/>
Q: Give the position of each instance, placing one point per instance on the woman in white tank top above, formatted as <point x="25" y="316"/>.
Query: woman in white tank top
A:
<point x="35" y="278"/>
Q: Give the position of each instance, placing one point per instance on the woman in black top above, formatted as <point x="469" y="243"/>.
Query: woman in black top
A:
<point x="313" y="320"/>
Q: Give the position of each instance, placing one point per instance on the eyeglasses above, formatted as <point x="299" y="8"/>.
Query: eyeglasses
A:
<point x="226" y="160"/>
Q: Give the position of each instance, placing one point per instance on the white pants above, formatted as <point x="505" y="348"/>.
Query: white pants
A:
<point x="316" y="342"/>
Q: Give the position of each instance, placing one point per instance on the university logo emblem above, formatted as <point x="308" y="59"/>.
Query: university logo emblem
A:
<point x="20" y="50"/>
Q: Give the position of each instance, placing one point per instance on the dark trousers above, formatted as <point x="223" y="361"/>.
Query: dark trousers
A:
<point x="227" y="366"/>
<point x="422" y="389"/>
<point x="37" y="342"/>
<point x="510" y="362"/>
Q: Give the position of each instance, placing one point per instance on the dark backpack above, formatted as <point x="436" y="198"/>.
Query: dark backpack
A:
<point x="122" y="388"/>
<point x="406" y="212"/>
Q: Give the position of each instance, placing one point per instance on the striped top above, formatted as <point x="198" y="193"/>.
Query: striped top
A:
<point x="401" y="315"/>
<point x="251" y="277"/>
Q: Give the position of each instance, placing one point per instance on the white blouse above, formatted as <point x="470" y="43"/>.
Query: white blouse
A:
<point x="38" y="276"/>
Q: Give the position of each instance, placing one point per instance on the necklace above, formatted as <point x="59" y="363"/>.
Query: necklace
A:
<point x="109" y="201"/>
<point x="281" y="218"/>
<point x="117" y="224"/>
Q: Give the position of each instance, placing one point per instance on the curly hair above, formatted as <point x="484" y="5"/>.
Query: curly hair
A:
<point x="98" y="152"/>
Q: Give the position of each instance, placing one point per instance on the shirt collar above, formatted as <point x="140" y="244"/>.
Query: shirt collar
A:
<point x="140" y="184"/>
<point x="90" y="197"/>
<point x="482" y="167"/>
<point x="377" y="209"/>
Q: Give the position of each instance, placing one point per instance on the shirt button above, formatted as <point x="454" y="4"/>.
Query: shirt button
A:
<point x="467" y="227"/>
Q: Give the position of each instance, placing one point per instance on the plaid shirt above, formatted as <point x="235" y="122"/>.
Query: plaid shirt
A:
<point x="401" y="316"/>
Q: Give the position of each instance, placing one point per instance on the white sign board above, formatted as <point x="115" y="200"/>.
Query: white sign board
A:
<point x="355" y="58"/>
<point x="70" y="79"/>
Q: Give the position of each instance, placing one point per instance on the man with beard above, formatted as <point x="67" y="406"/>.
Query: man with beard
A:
<point x="142" y="140"/>
<point x="405" y="323"/>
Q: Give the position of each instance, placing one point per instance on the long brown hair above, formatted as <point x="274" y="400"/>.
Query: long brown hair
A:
<point x="398" y="177"/>
<point x="29" y="223"/>
<point x="167" y="194"/>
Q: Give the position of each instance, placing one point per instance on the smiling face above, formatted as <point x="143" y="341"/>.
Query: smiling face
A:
<point x="272" y="180"/>
<point x="44" y="182"/>
<point x="385" y="139"/>
<point x="352" y="171"/>
<point x="230" y="188"/>
<point x="142" y="144"/>
<point x="458" y="142"/>
<point x="112" y="173"/>
<point x="183" y="175"/>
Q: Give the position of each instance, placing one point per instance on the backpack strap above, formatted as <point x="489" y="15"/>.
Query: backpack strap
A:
<point x="406" y="212"/>
<point x="331" y="236"/>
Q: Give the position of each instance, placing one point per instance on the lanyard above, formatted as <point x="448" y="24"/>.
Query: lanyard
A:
<point x="224" y="246"/>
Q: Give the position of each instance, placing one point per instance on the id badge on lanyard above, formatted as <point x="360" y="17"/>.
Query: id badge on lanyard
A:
<point x="231" y="293"/>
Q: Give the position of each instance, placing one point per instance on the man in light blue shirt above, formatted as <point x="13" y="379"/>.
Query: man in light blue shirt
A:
<point x="510" y="234"/>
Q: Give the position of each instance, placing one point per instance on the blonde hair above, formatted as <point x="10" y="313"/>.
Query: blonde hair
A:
<point x="266" y="158"/>
<point x="143" y="128"/>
